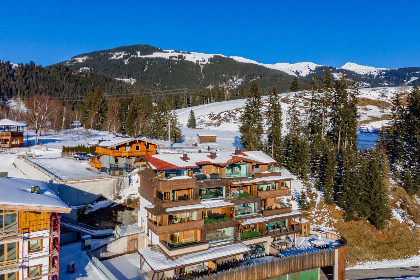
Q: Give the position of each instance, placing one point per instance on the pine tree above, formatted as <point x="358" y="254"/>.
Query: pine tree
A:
<point x="347" y="195"/>
<point x="251" y="122"/>
<point x="191" y="120"/>
<point x="344" y="119"/>
<point x="295" y="85"/>
<point x="274" y="124"/>
<point x="379" y="209"/>
<point x="325" y="178"/>
<point x="326" y="78"/>
<point x="94" y="110"/>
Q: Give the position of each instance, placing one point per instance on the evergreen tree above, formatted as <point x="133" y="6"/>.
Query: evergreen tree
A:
<point x="325" y="178"/>
<point x="251" y="122"/>
<point x="274" y="124"/>
<point x="347" y="196"/>
<point x="295" y="85"/>
<point x="191" y="121"/>
<point x="379" y="209"/>
<point x="94" y="110"/>
<point x="344" y="115"/>
<point x="326" y="78"/>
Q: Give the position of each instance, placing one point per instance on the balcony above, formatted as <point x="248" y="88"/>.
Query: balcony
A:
<point x="174" y="249"/>
<point x="11" y="134"/>
<point x="214" y="218"/>
<point x="269" y="211"/>
<point x="250" y="234"/>
<point x="178" y="227"/>
<point x="274" y="193"/>
<point x="174" y="184"/>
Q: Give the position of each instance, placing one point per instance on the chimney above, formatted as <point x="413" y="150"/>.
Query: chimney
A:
<point x="35" y="189"/>
<point x="213" y="155"/>
<point x="185" y="157"/>
<point x="237" y="151"/>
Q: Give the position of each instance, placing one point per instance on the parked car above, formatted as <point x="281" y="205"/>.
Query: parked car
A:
<point x="81" y="156"/>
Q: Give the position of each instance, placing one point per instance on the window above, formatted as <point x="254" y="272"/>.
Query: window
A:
<point x="116" y="160"/>
<point x="138" y="148"/>
<point x="8" y="221"/>
<point x="219" y="234"/>
<point x="35" y="245"/>
<point x="127" y="148"/>
<point x="34" y="271"/>
<point x="245" y="209"/>
<point x="237" y="170"/>
<point x="8" y="252"/>
<point x="9" y="276"/>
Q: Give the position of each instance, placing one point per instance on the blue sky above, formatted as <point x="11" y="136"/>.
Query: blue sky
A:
<point x="377" y="33"/>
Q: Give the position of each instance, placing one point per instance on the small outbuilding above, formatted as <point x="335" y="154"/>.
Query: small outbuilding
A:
<point x="206" y="138"/>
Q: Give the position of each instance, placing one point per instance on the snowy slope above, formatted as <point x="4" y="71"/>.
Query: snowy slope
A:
<point x="301" y="69"/>
<point x="363" y="70"/>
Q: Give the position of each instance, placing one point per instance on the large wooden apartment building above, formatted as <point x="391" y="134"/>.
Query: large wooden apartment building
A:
<point x="201" y="209"/>
<point x="117" y="157"/>
<point x="29" y="230"/>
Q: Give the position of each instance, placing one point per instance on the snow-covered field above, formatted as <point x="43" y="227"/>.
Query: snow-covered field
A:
<point x="222" y="118"/>
<point x="413" y="261"/>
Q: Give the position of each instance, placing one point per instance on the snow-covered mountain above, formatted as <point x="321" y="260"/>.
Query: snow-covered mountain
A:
<point x="363" y="70"/>
<point x="174" y="69"/>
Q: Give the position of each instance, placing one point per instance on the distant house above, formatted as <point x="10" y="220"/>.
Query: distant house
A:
<point x="29" y="230"/>
<point x="117" y="157"/>
<point x="11" y="133"/>
<point x="206" y="138"/>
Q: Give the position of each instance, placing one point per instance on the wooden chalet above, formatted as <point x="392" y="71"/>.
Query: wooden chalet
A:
<point x="117" y="157"/>
<point x="11" y="133"/>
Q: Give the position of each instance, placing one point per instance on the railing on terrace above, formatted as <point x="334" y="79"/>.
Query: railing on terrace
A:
<point x="101" y="267"/>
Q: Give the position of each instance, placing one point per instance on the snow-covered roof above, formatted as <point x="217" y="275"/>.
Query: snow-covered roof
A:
<point x="204" y="204"/>
<point x="263" y="179"/>
<point x="206" y="134"/>
<point x="159" y="262"/>
<point x="120" y="141"/>
<point x="7" y="122"/>
<point x="178" y="161"/>
<point x="268" y="218"/>
<point x="17" y="193"/>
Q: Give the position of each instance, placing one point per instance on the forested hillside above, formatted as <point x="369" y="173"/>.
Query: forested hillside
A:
<point x="20" y="81"/>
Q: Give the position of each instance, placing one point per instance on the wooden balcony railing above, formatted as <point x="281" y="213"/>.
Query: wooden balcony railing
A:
<point x="169" y="185"/>
<point x="179" y="227"/>
<point x="274" y="193"/>
<point x="276" y="211"/>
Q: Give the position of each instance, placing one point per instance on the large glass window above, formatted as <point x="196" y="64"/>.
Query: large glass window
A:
<point x="245" y="209"/>
<point x="212" y="193"/>
<point x="8" y="252"/>
<point x="8" y="221"/>
<point x="219" y="234"/>
<point x="183" y="217"/>
<point x="175" y="172"/>
<point x="267" y="187"/>
<point x="9" y="276"/>
<point x="237" y="170"/>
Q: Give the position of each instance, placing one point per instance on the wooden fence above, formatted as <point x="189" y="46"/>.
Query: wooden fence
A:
<point x="277" y="267"/>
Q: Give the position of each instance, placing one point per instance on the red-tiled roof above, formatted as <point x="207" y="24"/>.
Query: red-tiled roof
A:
<point x="162" y="165"/>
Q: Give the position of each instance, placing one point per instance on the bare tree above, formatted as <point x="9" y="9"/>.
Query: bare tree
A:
<point x="41" y="109"/>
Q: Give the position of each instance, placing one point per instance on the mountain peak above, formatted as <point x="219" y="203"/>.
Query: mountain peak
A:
<point x="361" y="69"/>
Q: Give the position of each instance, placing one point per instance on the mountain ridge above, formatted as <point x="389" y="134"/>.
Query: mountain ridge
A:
<point x="168" y="69"/>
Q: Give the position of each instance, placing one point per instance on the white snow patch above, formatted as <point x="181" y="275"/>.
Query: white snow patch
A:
<point x="413" y="261"/>
<point x="363" y="70"/>
<point x="126" y="80"/>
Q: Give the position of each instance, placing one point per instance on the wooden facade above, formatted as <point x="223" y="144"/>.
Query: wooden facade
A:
<point x="11" y="139"/>
<point x="128" y="150"/>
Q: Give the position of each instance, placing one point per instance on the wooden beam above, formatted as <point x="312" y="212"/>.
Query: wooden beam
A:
<point x="35" y="208"/>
